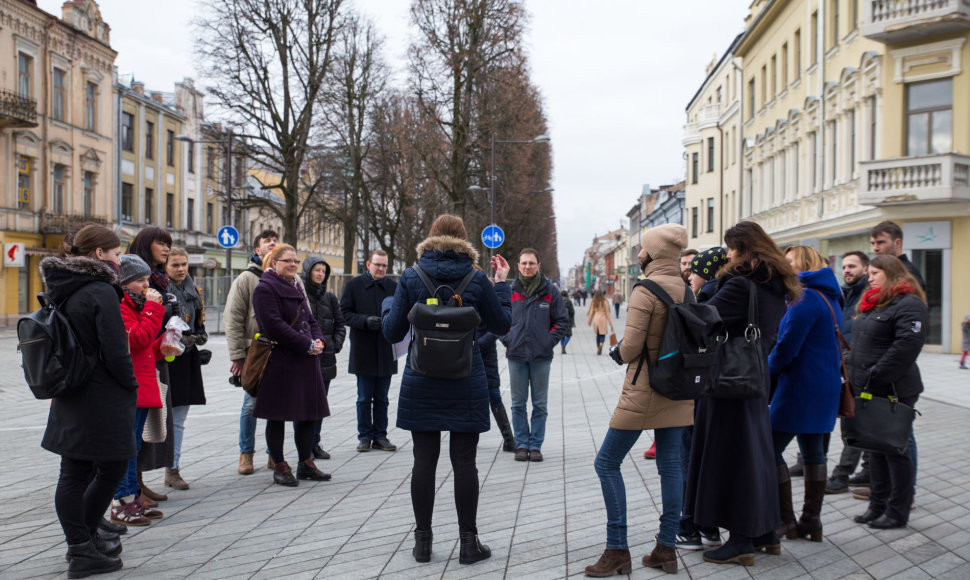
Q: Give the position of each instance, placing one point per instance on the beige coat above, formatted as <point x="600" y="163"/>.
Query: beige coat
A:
<point x="240" y="319"/>
<point x="599" y="318"/>
<point x="640" y="407"/>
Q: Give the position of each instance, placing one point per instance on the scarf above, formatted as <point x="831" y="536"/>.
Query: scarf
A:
<point x="530" y="284"/>
<point x="159" y="278"/>
<point x="256" y="258"/>
<point x="115" y="267"/>
<point x="138" y="300"/>
<point x="282" y="277"/>
<point x="871" y="297"/>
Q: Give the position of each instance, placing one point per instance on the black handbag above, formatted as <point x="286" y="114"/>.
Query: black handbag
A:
<point x="880" y="424"/>
<point x="743" y="373"/>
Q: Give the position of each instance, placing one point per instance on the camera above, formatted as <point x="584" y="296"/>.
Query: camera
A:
<point x="235" y="380"/>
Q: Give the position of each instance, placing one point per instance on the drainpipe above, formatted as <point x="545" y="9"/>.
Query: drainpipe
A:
<point x="820" y="141"/>
<point x="740" y="138"/>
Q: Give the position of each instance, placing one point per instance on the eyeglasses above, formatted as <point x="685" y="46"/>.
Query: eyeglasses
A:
<point x="289" y="261"/>
<point x="378" y="265"/>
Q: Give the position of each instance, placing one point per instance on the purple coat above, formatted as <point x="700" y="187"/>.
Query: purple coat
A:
<point x="292" y="387"/>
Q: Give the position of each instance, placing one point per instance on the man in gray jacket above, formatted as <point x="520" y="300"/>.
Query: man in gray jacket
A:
<point x="241" y="327"/>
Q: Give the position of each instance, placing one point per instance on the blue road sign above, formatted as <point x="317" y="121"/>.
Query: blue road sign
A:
<point x="228" y="236"/>
<point x="493" y="236"/>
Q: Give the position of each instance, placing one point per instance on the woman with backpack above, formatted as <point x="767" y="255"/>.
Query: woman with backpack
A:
<point x="91" y="428"/>
<point x="427" y="406"/>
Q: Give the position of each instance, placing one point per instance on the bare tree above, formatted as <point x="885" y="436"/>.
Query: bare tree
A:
<point x="267" y="61"/>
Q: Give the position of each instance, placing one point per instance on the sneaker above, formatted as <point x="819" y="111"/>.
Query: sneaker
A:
<point x="652" y="452"/>
<point x="319" y="453"/>
<point x="383" y="445"/>
<point x="711" y="539"/>
<point x="860" y="479"/>
<point x="127" y="514"/>
<point x="150" y="513"/>
<point x="691" y="541"/>
<point x="836" y="485"/>
<point x="963" y="367"/>
<point x="363" y="445"/>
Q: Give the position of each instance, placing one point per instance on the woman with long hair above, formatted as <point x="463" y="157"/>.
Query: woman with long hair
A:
<point x="428" y="406"/>
<point x="887" y="337"/>
<point x="92" y="428"/>
<point x="598" y="316"/>
<point x="807" y="365"/>
<point x="732" y="479"/>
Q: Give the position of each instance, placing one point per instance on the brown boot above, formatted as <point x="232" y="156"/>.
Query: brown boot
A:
<point x="662" y="557"/>
<point x="146" y="492"/>
<point x="810" y="524"/>
<point x="147" y="501"/>
<point x="245" y="464"/>
<point x="611" y="562"/>
<point x="788" y="527"/>
<point x="174" y="479"/>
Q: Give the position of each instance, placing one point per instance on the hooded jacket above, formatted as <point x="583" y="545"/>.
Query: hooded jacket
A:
<point x="326" y="309"/>
<point x="98" y="422"/>
<point x="143" y="341"/>
<point x="538" y="322"/>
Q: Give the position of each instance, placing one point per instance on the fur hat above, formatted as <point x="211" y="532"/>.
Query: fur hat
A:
<point x="707" y="263"/>
<point x="664" y="241"/>
<point x="133" y="268"/>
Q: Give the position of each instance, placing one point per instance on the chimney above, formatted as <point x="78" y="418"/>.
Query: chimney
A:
<point x="138" y="87"/>
<point x="157" y="97"/>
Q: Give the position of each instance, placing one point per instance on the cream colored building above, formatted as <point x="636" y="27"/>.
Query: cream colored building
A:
<point x="56" y="125"/>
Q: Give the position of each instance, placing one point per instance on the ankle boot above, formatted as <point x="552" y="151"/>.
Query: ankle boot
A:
<point x="154" y="496"/>
<point x="768" y="542"/>
<point x="663" y="557"/>
<point x="738" y="549"/>
<point x="502" y="421"/>
<point x="422" y="545"/>
<point x="471" y="549"/>
<point x="810" y="524"/>
<point x="174" y="479"/>
<point x="788" y="528"/>
<point x="107" y="543"/>
<point x="599" y="348"/>
<point x="86" y="560"/>
<point x="106" y="526"/>
<point x="610" y="563"/>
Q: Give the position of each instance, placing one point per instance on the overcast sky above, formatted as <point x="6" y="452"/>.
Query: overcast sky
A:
<point x="615" y="75"/>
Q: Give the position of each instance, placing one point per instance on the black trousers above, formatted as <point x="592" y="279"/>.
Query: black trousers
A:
<point x="463" y="448"/>
<point x="891" y="480"/>
<point x="304" y="433"/>
<point x="84" y="492"/>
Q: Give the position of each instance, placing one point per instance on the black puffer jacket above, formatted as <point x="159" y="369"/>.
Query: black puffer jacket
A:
<point x="885" y="344"/>
<point x="326" y="309"/>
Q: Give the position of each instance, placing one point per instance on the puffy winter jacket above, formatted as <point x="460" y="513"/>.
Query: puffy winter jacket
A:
<point x="538" y="322"/>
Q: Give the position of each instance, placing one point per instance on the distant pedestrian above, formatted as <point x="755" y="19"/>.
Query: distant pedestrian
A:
<point x="965" y="325"/>
<point x="585" y="293"/>
<point x="598" y="317"/>
<point x="617" y="301"/>
<point x="571" y="312"/>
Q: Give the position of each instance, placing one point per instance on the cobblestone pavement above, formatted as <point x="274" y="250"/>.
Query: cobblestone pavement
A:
<point x="542" y="520"/>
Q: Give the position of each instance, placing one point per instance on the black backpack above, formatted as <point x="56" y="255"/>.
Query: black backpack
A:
<point x="443" y="337"/>
<point x="54" y="363"/>
<point x="687" y="362"/>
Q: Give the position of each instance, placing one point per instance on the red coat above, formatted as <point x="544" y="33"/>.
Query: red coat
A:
<point x="143" y="343"/>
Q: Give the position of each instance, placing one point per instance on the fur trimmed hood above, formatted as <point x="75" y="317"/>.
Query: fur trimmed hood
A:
<point x="444" y="244"/>
<point x="64" y="276"/>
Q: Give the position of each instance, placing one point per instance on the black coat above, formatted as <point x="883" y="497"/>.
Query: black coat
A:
<point x="885" y="345"/>
<point x="851" y="295"/>
<point x="732" y="481"/>
<point x="185" y="372"/>
<point x="571" y="313"/>
<point x="912" y="270"/>
<point x="486" y="347"/>
<point x="326" y="309"/>
<point x="371" y="355"/>
<point x="97" y="423"/>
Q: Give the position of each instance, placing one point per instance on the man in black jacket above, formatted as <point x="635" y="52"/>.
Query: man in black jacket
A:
<point x="371" y="356"/>
<point x="887" y="238"/>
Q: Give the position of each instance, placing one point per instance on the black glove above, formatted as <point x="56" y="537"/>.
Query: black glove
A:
<point x="615" y="353"/>
<point x="373" y="322"/>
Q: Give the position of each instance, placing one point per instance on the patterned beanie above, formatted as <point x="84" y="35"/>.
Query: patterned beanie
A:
<point x="707" y="263"/>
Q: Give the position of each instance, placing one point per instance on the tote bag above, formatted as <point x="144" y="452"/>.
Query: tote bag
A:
<point x="743" y="372"/>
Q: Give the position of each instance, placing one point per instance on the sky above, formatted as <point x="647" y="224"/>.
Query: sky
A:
<point x="615" y="76"/>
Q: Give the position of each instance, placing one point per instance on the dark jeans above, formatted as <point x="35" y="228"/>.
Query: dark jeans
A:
<point x="812" y="446"/>
<point x="892" y="478"/>
<point x="462" y="448"/>
<point x="84" y="492"/>
<point x="617" y="308"/>
<point x="372" y="407"/>
<point x="303" y="433"/>
<point x="600" y="339"/>
<point x="129" y="483"/>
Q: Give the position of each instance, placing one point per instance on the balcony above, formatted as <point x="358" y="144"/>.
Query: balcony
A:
<point x="924" y="179"/>
<point x="61" y="223"/>
<point x="707" y="116"/>
<point x="17" y="111"/>
<point x="895" y="21"/>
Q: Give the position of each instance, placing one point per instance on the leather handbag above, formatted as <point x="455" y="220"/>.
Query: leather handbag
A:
<point x="257" y="357"/>
<point x="743" y="373"/>
<point x="613" y="340"/>
<point x="846" y="400"/>
<point x="155" y="430"/>
<point x="880" y="424"/>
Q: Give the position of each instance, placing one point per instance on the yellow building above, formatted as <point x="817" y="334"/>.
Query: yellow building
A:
<point x="56" y="120"/>
<point x="848" y="120"/>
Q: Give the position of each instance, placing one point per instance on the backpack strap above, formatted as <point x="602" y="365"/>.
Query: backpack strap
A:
<point x="424" y="278"/>
<point x="434" y="291"/>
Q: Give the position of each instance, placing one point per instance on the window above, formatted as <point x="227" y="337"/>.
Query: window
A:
<point x="190" y="154"/>
<point x="929" y="117"/>
<point x="710" y="154"/>
<point x="764" y="84"/>
<point x="749" y="190"/>
<point x="209" y="218"/>
<point x="127" y="202"/>
<point x="169" y="209"/>
<point x="694" y="162"/>
<point x="784" y="66"/>
<point x="210" y="160"/>
<point x="90" y="106"/>
<point x="170" y="148"/>
<point x="693" y="222"/>
<point x="813" y="41"/>
<point x="57" y="189"/>
<point x="833" y="133"/>
<point x="795" y="172"/>
<point x="710" y="214"/>
<point x="774" y="75"/>
<point x="782" y="176"/>
<point x="871" y="107"/>
<point x="852" y="141"/>
<point x="797" y="56"/>
<point x="719" y="95"/>
<point x="88" y="181"/>
<point x="834" y="32"/>
<point x="854" y="7"/>
<point x="149" y="140"/>
<point x="25" y="69"/>
<point x="190" y="215"/>
<point x="149" y="204"/>
<point x="813" y="160"/>
<point x="57" y="96"/>
<point x="751" y="98"/>
<point x="23" y="182"/>
<point x="127" y="132"/>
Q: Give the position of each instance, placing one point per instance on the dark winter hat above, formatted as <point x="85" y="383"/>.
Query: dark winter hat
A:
<point x="133" y="268"/>
<point x="707" y="263"/>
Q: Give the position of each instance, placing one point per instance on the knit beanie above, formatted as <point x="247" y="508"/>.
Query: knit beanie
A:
<point x="664" y="241"/>
<point x="133" y="268"/>
<point x="707" y="263"/>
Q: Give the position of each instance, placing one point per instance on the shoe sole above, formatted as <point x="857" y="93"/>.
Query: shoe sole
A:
<point x="136" y="524"/>
<point x="832" y="491"/>
<point x="741" y="559"/>
<point x="858" y="484"/>
<point x="113" y="568"/>
<point x="711" y="543"/>
<point x="691" y="547"/>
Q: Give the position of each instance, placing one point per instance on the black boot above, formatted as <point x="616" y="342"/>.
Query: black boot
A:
<point x="422" y="545"/>
<point x="471" y="549"/>
<point x="87" y="560"/>
<point x="502" y="421"/>
<point x="105" y="525"/>
<point x="738" y="549"/>
<point x="788" y="527"/>
<point x="105" y="542"/>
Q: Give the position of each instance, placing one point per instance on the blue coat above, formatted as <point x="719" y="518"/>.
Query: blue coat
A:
<point x="429" y="404"/>
<point x="806" y="359"/>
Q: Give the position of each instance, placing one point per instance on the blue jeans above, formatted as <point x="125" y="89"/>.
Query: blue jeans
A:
<point x="247" y="425"/>
<point x="616" y="446"/>
<point x="129" y="485"/>
<point x="565" y="340"/>
<point x="811" y="445"/>
<point x="178" y="431"/>
<point x="522" y="376"/>
<point x="372" y="407"/>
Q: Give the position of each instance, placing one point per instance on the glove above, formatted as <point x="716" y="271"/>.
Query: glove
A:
<point x="201" y="338"/>
<point x="188" y="340"/>
<point x="615" y="353"/>
<point x="373" y="322"/>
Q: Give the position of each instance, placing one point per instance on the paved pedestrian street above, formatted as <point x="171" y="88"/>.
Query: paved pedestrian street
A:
<point x="541" y="520"/>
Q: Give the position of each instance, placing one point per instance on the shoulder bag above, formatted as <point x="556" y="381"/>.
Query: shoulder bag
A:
<point x="155" y="430"/>
<point x="257" y="357"/>
<point x="743" y="372"/>
<point x="846" y="401"/>
<point x="880" y="424"/>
